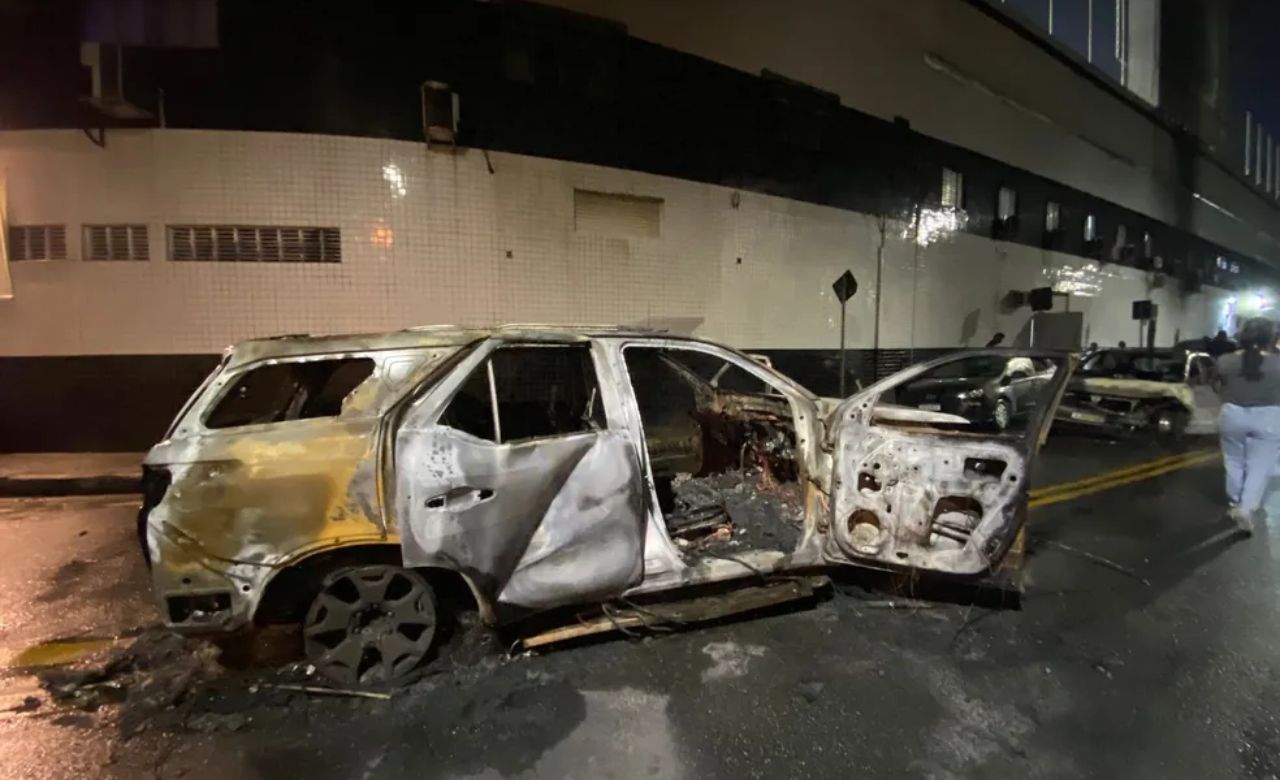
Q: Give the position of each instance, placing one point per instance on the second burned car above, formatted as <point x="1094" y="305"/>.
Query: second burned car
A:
<point x="359" y="484"/>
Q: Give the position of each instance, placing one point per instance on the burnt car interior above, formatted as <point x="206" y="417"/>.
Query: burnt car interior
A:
<point x="295" y="390"/>
<point x="1154" y="365"/>
<point x="537" y="390"/>
<point x="721" y="447"/>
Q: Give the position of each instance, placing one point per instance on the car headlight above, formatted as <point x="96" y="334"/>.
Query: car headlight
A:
<point x="970" y="395"/>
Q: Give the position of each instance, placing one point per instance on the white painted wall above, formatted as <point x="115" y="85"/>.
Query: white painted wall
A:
<point x="474" y="247"/>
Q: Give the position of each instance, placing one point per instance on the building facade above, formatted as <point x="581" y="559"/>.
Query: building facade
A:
<point x="707" y="167"/>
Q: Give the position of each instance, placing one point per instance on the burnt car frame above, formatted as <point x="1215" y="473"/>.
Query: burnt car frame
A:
<point x="1168" y="392"/>
<point x="362" y="484"/>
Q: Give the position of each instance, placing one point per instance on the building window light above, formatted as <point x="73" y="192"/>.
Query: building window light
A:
<point x="1090" y="228"/>
<point x="952" y="189"/>
<point x="1052" y="217"/>
<point x="1006" y="204"/>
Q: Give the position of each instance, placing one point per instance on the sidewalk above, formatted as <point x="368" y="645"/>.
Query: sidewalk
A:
<point x="69" y="473"/>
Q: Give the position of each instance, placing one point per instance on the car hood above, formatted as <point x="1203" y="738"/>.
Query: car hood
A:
<point x="1134" y="388"/>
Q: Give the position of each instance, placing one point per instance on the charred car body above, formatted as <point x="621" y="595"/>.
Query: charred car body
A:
<point x="350" y="482"/>
<point x="1163" y="391"/>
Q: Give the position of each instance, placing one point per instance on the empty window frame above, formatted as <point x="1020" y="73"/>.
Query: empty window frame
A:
<point x="254" y="244"/>
<point x="293" y="390"/>
<point x="116" y="242"/>
<point x="529" y="392"/>
<point x="952" y="189"/>
<point x="1006" y="204"/>
<point x="1090" y="228"/>
<point x="37" y="242"/>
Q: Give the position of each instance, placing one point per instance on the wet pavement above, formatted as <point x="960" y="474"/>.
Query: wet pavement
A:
<point x="1159" y="663"/>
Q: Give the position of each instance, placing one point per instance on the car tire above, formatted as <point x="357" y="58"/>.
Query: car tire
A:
<point x="1002" y="416"/>
<point x="371" y="625"/>
<point x="1170" y="425"/>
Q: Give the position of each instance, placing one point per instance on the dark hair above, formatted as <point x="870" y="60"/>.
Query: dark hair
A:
<point x="1257" y="335"/>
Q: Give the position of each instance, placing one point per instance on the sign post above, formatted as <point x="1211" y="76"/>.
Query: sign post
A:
<point x="844" y="287"/>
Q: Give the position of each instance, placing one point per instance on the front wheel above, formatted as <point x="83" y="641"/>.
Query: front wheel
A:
<point x="370" y="625"/>
<point x="1170" y="426"/>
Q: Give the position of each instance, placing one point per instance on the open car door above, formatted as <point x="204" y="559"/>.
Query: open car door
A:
<point x="509" y="473"/>
<point x="936" y="485"/>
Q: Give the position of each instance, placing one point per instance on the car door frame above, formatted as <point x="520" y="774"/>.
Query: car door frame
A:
<point x="435" y="400"/>
<point x="996" y="531"/>
<point x="665" y="566"/>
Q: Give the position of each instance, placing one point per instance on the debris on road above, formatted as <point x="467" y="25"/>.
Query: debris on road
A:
<point x="155" y="672"/>
<point x="1098" y="559"/>
<point x="324" y="691"/>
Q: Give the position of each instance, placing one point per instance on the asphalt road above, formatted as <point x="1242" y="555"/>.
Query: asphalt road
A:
<point x="1158" y="662"/>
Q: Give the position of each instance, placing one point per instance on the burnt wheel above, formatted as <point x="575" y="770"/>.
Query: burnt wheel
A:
<point x="370" y="625"/>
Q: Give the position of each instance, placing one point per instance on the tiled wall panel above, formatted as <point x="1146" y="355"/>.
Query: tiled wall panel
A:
<point x="434" y="236"/>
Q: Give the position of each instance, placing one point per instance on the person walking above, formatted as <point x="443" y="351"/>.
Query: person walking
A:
<point x="1249" y="424"/>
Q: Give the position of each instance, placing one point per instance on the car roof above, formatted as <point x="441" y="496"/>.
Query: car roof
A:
<point x="426" y="337"/>
<point x="1137" y="351"/>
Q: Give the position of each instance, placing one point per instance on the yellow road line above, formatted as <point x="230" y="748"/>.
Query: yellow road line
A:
<point x="1116" y="479"/>
<point x="1107" y="476"/>
<point x="57" y="653"/>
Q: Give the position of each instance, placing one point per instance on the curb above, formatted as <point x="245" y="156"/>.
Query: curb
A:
<point x="45" y="487"/>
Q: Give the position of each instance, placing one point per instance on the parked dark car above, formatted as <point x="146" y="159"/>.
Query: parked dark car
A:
<point x="985" y="389"/>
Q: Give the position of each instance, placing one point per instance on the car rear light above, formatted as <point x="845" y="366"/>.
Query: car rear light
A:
<point x="155" y="483"/>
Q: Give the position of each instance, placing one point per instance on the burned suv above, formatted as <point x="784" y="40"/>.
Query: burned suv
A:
<point x="1169" y="392"/>
<point x="367" y="486"/>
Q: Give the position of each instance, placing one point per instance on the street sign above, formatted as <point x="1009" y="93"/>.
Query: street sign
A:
<point x="845" y="287"/>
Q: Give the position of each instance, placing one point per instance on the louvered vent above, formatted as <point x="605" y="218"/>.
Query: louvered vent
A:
<point x="116" y="242"/>
<point x="38" y="242"/>
<point x="254" y="244"/>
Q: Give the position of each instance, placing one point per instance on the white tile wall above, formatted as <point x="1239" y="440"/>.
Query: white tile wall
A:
<point x="433" y="237"/>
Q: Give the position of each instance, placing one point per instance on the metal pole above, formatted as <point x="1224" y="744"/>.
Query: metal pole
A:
<point x="843" y="306"/>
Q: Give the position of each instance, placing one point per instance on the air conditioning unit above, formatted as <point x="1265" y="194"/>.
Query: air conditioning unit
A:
<point x="440" y="113"/>
<point x="106" y="72"/>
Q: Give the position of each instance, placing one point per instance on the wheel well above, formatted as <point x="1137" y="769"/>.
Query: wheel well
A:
<point x="289" y="592"/>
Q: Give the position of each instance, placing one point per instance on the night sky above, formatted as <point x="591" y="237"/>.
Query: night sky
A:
<point x="1255" y="60"/>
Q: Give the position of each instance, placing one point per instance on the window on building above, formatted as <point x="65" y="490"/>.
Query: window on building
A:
<point x="38" y="242"/>
<point x="952" y="189"/>
<point x="116" y="242"/>
<point x="1006" y="204"/>
<point x="255" y="244"/>
<point x="1148" y="245"/>
<point x="1090" y="228"/>
<point x="538" y="391"/>
<point x="296" y="390"/>
<point x="1118" y="249"/>
<point x="1052" y="217"/>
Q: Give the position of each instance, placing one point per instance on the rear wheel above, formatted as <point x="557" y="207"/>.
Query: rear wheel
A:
<point x="370" y="625"/>
<point x="1003" y="415"/>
